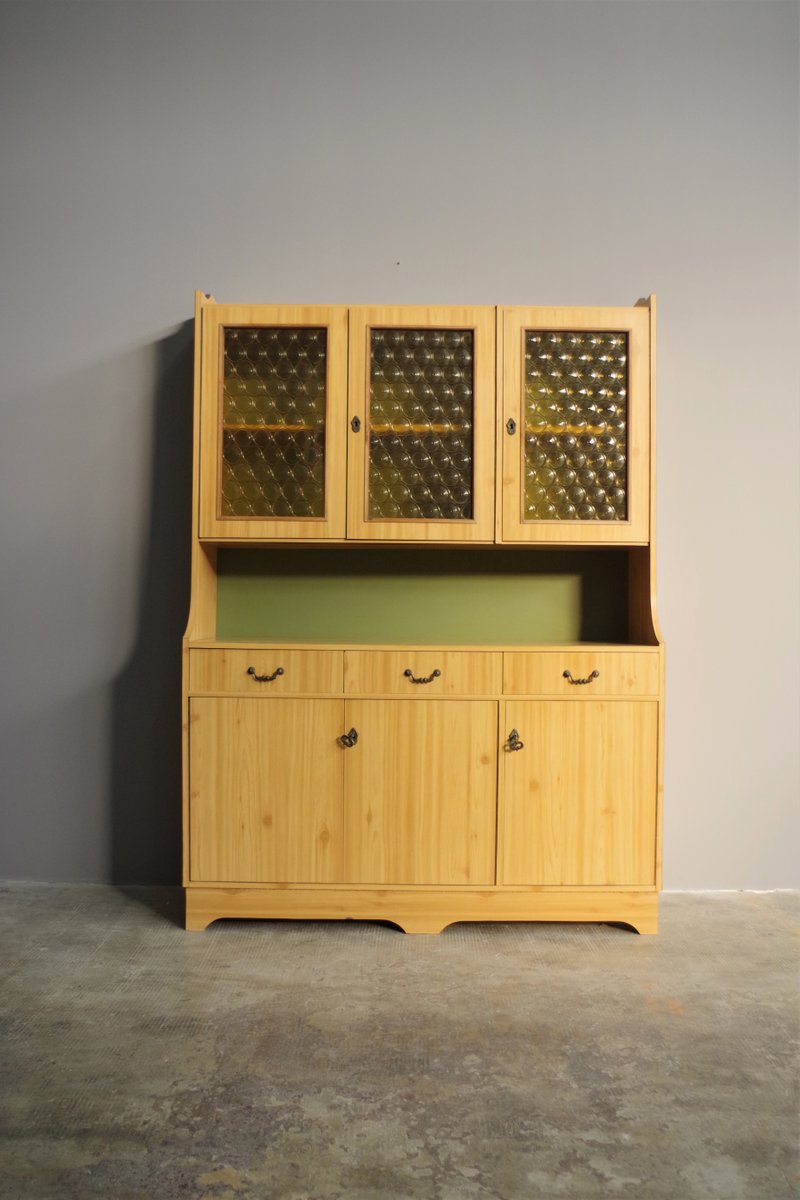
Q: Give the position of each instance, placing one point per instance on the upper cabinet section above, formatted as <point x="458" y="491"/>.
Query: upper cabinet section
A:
<point x="575" y="425"/>
<point x="272" y="422"/>
<point x="421" y="437"/>
<point x="414" y="424"/>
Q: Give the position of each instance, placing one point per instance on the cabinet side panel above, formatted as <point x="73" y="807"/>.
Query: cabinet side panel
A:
<point x="201" y="621"/>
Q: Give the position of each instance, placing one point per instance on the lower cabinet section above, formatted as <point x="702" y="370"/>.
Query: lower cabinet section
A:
<point x="578" y="800"/>
<point x="279" y="795"/>
<point x="423" y="811"/>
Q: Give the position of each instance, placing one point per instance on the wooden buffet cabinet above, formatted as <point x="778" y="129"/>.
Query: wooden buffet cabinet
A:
<point x="423" y="676"/>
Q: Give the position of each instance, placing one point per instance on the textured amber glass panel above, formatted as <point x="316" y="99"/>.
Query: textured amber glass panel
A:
<point x="421" y="413"/>
<point x="273" y="422"/>
<point x="576" y="410"/>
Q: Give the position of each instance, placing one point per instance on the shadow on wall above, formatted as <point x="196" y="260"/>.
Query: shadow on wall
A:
<point x="146" y="721"/>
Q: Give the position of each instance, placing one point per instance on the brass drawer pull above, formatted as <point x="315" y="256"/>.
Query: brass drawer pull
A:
<point x="514" y="742"/>
<point x="349" y="739"/>
<point x="265" y="678"/>
<point x="588" y="679"/>
<point x="409" y="674"/>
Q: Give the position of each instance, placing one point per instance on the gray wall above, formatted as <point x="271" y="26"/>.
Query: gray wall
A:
<point x="378" y="152"/>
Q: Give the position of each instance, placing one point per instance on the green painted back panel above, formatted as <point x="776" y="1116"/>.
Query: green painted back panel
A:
<point x="429" y="595"/>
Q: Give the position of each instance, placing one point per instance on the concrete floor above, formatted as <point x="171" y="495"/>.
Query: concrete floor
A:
<point x="324" y="1060"/>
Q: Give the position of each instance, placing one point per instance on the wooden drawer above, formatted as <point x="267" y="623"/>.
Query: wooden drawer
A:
<point x="542" y="673"/>
<point x="301" y="671"/>
<point x="381" y="672"/>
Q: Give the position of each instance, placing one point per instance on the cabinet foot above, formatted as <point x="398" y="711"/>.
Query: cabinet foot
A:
<point x="202" y="910"/>
<point x="420" y="924"/>
<point x="196" y="924"/>
<point x="644" y="924"/>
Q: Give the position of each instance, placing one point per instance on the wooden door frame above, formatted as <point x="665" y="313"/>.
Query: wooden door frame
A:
<point x="482" y="320"/>
<point x="516" y="322"/>
<point x="214" y="526"/>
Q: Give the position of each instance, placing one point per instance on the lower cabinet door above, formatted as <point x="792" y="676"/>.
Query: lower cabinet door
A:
<point x="578" y="801"/>
<point x="420" y="792"/>
<point x="266" y="780"/>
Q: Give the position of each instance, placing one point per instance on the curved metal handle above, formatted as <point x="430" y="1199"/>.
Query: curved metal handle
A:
<point x="588" y="679"/>
<point x="513" y="742"/>
<point x="409" y="674"/>
<point x="349" y="739"/>
<point x="265" y="678"/>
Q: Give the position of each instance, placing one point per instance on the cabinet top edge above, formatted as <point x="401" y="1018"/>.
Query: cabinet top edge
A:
<point x="207" y="300"/>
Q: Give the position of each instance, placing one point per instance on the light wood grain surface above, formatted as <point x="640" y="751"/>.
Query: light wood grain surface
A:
<point x="266" y="790"/>
<point x="420" y="792"/>
<point x="425" y="910"/>
<point x="370" y="672"/>
<point x="541" y="673"/>
<point x="578" y="802"/>
<point x="303" y="671"/>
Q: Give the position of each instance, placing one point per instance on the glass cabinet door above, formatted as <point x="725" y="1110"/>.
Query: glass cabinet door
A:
<point x="421" y="424"/>
<point x="273" y="406"/>
<point x="576" y="425"/>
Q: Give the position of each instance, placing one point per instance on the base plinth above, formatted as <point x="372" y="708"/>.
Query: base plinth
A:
<point x="424" y="910"/>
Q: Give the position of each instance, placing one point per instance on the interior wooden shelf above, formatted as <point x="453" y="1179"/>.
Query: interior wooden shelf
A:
<point x="574" y="430"/>
<point x="467" y="647"/>
<point x="383" y="429"/>
<point x="274" y="428"/>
